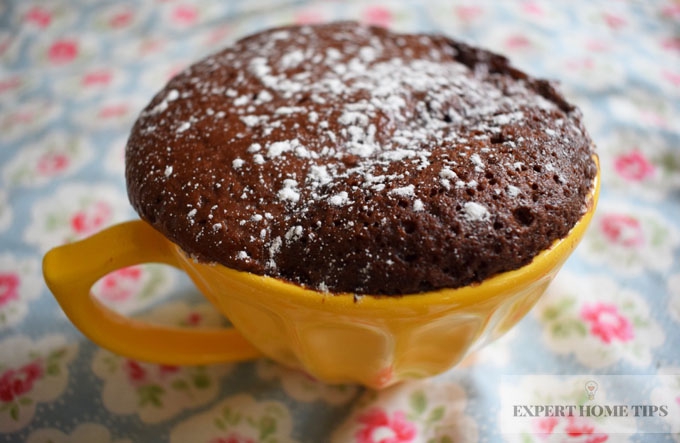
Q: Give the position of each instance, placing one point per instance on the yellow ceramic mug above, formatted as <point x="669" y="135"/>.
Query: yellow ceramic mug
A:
<point x="372" y="340"/>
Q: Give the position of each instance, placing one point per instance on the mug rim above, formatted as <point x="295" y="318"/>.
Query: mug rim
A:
<point x="540" y="265"/>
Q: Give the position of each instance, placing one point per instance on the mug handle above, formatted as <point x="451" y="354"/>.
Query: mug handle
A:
<point x="71" y="270"/>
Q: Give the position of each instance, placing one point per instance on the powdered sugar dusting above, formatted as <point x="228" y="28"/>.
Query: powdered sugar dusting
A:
<point x="475" y="212"/>
<point x="294" y="131"/>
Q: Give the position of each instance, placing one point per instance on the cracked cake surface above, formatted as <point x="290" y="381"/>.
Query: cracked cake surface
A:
<point x="348" y="158"/>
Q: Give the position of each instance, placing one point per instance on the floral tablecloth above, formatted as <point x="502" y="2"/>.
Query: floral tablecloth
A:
<point x="74" y="75"/>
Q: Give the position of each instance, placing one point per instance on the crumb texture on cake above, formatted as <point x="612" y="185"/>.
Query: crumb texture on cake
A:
<point x="349" y="158"/>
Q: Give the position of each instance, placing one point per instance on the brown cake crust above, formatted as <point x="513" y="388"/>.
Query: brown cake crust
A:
<point x="348" y="158"/>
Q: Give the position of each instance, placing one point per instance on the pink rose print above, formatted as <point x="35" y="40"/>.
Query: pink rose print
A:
<point x="9" y="287"/>
<point x="10" y="84"/>
<point x="672" y="77"/>
<point x="468" y="13"/>
<point x="575" y="429"/>
<point x="121" y="19"/>
<point x="193" y="319"/>
<point x="377" y="15"/>
<point x="671" y="11"/>
<point x="233" y="438"/>
<point x="380" y="428"/>
<point x="91" y="219"/>
<point x="532" y="8"/>
<point x="622" y="229"/>
<point x="517" y="41"/>
<point x="671" y="43"/>
<point x="52" y="163"/>
<point x="113" y="111"/>
<point x="63" y="51"/>
<point x="135" y="372"/>
<point x="614" y="21"/>
<point x="606" y="322"/>
<point x="39" y="17"/>
<point x="16" y="382"/>
<point x="185" y="14"/>
<point x="633" y="166"/>
<point x="121" y="284"/>
<point x="139" y="375"/>
<point x="308" y="18"/>
<point x="545" y="425"/>
<point x="97" y="78"/>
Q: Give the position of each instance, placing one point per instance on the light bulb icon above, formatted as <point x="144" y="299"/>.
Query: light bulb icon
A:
<point x="591" y="389"/>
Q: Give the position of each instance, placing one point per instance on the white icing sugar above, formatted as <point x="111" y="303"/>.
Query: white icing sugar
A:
<point x="339" y="199"/>
<point x="513" y="191"/>
<point x="289" y="192"/>
<point x="475" y="212"/>
<point x="292" y="59"/>
<point x="404" y="191"/>
<point x="237" y="163"/>
<point x="183" y="127"/>
<point x="173" y="94"/>
<point x="477" y="161"/>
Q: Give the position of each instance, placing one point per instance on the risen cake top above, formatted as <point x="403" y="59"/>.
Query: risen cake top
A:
<point x="348" y="158"/>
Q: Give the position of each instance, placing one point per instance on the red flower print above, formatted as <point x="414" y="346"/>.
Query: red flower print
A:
<point x="9" y="287"/>
<point x="135" y="372"/>
<point x="606" y="322"/>
<point x="121" y="284"/>
<point x="63" y="51"/>
<point x="233" y="438"/>
<point x="634" y="166"/>
<point x="91" y="219"/>
<point x="52" y="163"/>
<point x="39" y="16"/>
<point x="545" y="425"/>
<point x="165" y="370"/>
<point x="16" y="382"/>
<point x="185" y="14"/>
<point x="194" y="319"/>
<point x="378" y="427"/>
<point x="378" y="16"/>
<point x="622" y="229"/>
<point x="121" y="19"/>
<point x="97" y="78"/>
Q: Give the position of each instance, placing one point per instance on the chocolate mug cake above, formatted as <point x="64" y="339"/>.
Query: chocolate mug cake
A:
<point x="348" y="158"/>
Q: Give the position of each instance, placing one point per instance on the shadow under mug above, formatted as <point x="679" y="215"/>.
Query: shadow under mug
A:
<point x="337" y="338"/>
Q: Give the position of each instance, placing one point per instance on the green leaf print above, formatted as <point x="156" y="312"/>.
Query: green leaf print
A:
<point x="267" y="427"/>
<point x="418" y="403"/>
<point x="150" y="395"/>
<point x="180" y="385"/>
<point x="436" y="414"/>
<point x="231" y="417"/>
<point x="566" y="328"/>
<point x="14" y="412"/>
<point x="201" y="381"/>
